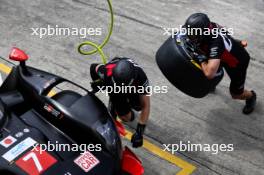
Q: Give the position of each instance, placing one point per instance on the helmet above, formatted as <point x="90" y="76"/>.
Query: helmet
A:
<point x="198" y="21"/>
<point x="123" y="73"/>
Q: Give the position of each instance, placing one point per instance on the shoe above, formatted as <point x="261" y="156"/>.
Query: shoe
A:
<point x="250" y="104"/>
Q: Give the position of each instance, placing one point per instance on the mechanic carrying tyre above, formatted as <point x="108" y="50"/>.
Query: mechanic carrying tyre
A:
<point x="222" y="49"/>
<point x="126" y="74"/>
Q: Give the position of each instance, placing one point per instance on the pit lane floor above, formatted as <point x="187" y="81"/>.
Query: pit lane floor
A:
<point x="138" y="33"/>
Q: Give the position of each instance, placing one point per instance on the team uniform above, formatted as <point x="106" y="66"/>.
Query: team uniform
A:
<point x="122" y="103"/>
<point x="234" y="57"/>
<point x="232" y="54"/>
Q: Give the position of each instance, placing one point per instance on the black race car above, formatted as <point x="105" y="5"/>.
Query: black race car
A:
<point x="30" y="120"/>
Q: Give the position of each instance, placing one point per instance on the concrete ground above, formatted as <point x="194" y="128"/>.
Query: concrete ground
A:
<point x="138" y="33"/>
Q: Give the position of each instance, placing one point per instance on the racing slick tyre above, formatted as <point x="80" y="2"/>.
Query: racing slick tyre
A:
<point x="174" y="59"/>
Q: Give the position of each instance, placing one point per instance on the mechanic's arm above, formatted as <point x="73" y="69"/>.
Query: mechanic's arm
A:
<point x="145" y="104"/>
<point x="210" y="67"/>
<point x="137" y="137"/>
<point x="97" y="74"/>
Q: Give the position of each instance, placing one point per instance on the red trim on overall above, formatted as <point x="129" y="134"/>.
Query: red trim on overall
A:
<point x="229" y="59"/>
<point x="109" y="69"/>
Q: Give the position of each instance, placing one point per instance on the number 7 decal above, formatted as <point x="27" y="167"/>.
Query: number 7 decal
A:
<point x="35" y="160"/>
<point x="35" y="163"/>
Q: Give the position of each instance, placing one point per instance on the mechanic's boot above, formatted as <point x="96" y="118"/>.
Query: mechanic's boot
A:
<point x="250" y="104"/>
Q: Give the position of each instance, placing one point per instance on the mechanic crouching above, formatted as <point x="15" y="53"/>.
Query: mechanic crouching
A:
<point x="133" y="97"/>
<point x="222" y="50"/>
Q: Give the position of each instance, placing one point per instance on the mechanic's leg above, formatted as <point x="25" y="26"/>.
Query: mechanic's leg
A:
<point x="134" y="108"/>
<point x="237" y="91"/>
<point x="122" y="108"/>
<point x="135" y="103"/>
<point x="243" y="94"/>
<point x="129" y="117"/>
<point x="246" y="94"/>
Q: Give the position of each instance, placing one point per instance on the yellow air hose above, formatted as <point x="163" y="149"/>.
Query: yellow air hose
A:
<point x="98" y="48"/>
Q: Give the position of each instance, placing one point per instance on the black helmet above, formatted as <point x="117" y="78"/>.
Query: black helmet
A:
<point x="198" y="21"/>
<point x="123" y="73"/>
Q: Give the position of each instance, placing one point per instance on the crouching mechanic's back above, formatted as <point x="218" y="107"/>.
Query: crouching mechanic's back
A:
<point x="133" y="82"/>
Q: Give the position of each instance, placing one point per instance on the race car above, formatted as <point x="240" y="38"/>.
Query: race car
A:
<point x="31" y="119"/>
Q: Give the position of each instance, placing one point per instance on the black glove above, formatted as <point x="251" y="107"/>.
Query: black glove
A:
<point x="137" y="138"/>
<point x="200" y="58"/>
